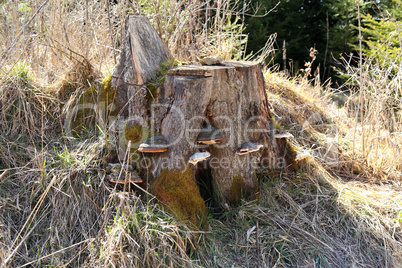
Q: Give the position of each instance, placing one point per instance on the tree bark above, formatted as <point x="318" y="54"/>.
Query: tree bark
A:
<point x="229" y="96"/>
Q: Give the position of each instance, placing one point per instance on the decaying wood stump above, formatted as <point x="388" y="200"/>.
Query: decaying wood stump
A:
<point x="142" y="53"/>
<point x="228" y="96"/>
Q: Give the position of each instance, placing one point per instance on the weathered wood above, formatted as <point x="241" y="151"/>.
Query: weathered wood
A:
<point x="229" y="96"/>
<point x="190" y="71"/>
<point x="233" y="100"/>
<point x="141" y="55"/>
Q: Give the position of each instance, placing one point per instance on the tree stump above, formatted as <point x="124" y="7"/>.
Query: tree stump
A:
<point x="226" y="96"/>
<point x="231" y="98"/>
<point x="142" y="53"/>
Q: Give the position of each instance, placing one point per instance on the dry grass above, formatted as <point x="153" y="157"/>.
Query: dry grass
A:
<point x="141" y="235"/>
<point x="342" y="208"/>
<point x="200" y="28"/>
<point x="365" y="195"/>
<point x="57" y="209"/>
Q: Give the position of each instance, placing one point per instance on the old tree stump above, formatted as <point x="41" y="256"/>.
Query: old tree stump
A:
<point x="226" y="99"/>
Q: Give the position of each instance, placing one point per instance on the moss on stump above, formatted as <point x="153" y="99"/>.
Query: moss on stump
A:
<point x="240" y="189"/>
<point x="102" y="93"/>
<point x="178" y="192"/>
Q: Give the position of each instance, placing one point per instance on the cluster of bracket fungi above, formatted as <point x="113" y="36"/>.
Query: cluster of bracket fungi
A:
<point x="208" y="135"/>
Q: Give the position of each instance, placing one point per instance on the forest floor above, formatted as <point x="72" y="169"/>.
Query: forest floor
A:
<point x="341" y="208"/>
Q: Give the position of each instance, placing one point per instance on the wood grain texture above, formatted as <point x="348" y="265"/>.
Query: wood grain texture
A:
<point x="141" y="55"/>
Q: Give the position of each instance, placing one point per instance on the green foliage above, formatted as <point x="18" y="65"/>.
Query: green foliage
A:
<point x="24" y="7"/>
<point x="383" y="41"/>
<point x="301" y="24"/>
<point x="400" y="216"/>
<point x="66" y="158"/>
<point x="22" y="70"/>
<point x="161" y="74"/>
<point x="328" y="26"/>
<point x="22" y="74"/>
<point x="342" y="17"/>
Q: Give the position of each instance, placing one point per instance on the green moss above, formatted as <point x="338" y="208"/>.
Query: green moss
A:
<point x="133" y="133"/>
<point x="178" y="192"/>
<point x="107" y="96"/>
<point x="89" y="95"/>
<point x="164" y="68"/>
<point x="107" y="93"/>
<point x="102" y="93"/>
<point x="277" y="126"/>
<point x="237" y="190"/>
<point x="84" y="118"/>
<point x="161" y="74"/>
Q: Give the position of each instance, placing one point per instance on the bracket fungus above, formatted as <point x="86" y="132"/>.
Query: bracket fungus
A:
<point x="114" y="171"/>
<point x="209" y="135"/>
<point x="198" y="157"/>
<point x="156" y="144"/>
<point x="248" y="147"/>
<point x="282" y="134"/>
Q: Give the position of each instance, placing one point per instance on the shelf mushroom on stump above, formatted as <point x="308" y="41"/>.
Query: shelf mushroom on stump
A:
<point x="224" y="109"/>
<point x="210" y="109"/>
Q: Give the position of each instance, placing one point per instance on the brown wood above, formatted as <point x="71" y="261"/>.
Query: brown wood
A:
<point x="190" y="70"/>
<point x="141" y="55"/>
<point x="230" y="96"/>
<point x="231" y="99"/>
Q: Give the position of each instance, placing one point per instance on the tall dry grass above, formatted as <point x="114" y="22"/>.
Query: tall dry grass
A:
<point x="378" y="131"/>
<point x="53" y="35"/>
<point x="57" y="209"/>
<point x="336" y="196"/>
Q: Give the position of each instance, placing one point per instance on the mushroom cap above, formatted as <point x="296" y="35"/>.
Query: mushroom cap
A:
<point x="248" y="147"/>
<point x="198" y="156"/>
<point x="282" y="134"/>
<point x="156" y="144"/>
<point x="209" y="135"/>
<point x="302" y="155"/>
<point x="133" y="177"/>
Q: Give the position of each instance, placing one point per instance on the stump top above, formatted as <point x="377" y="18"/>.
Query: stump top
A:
<point x="206" y="70"/>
